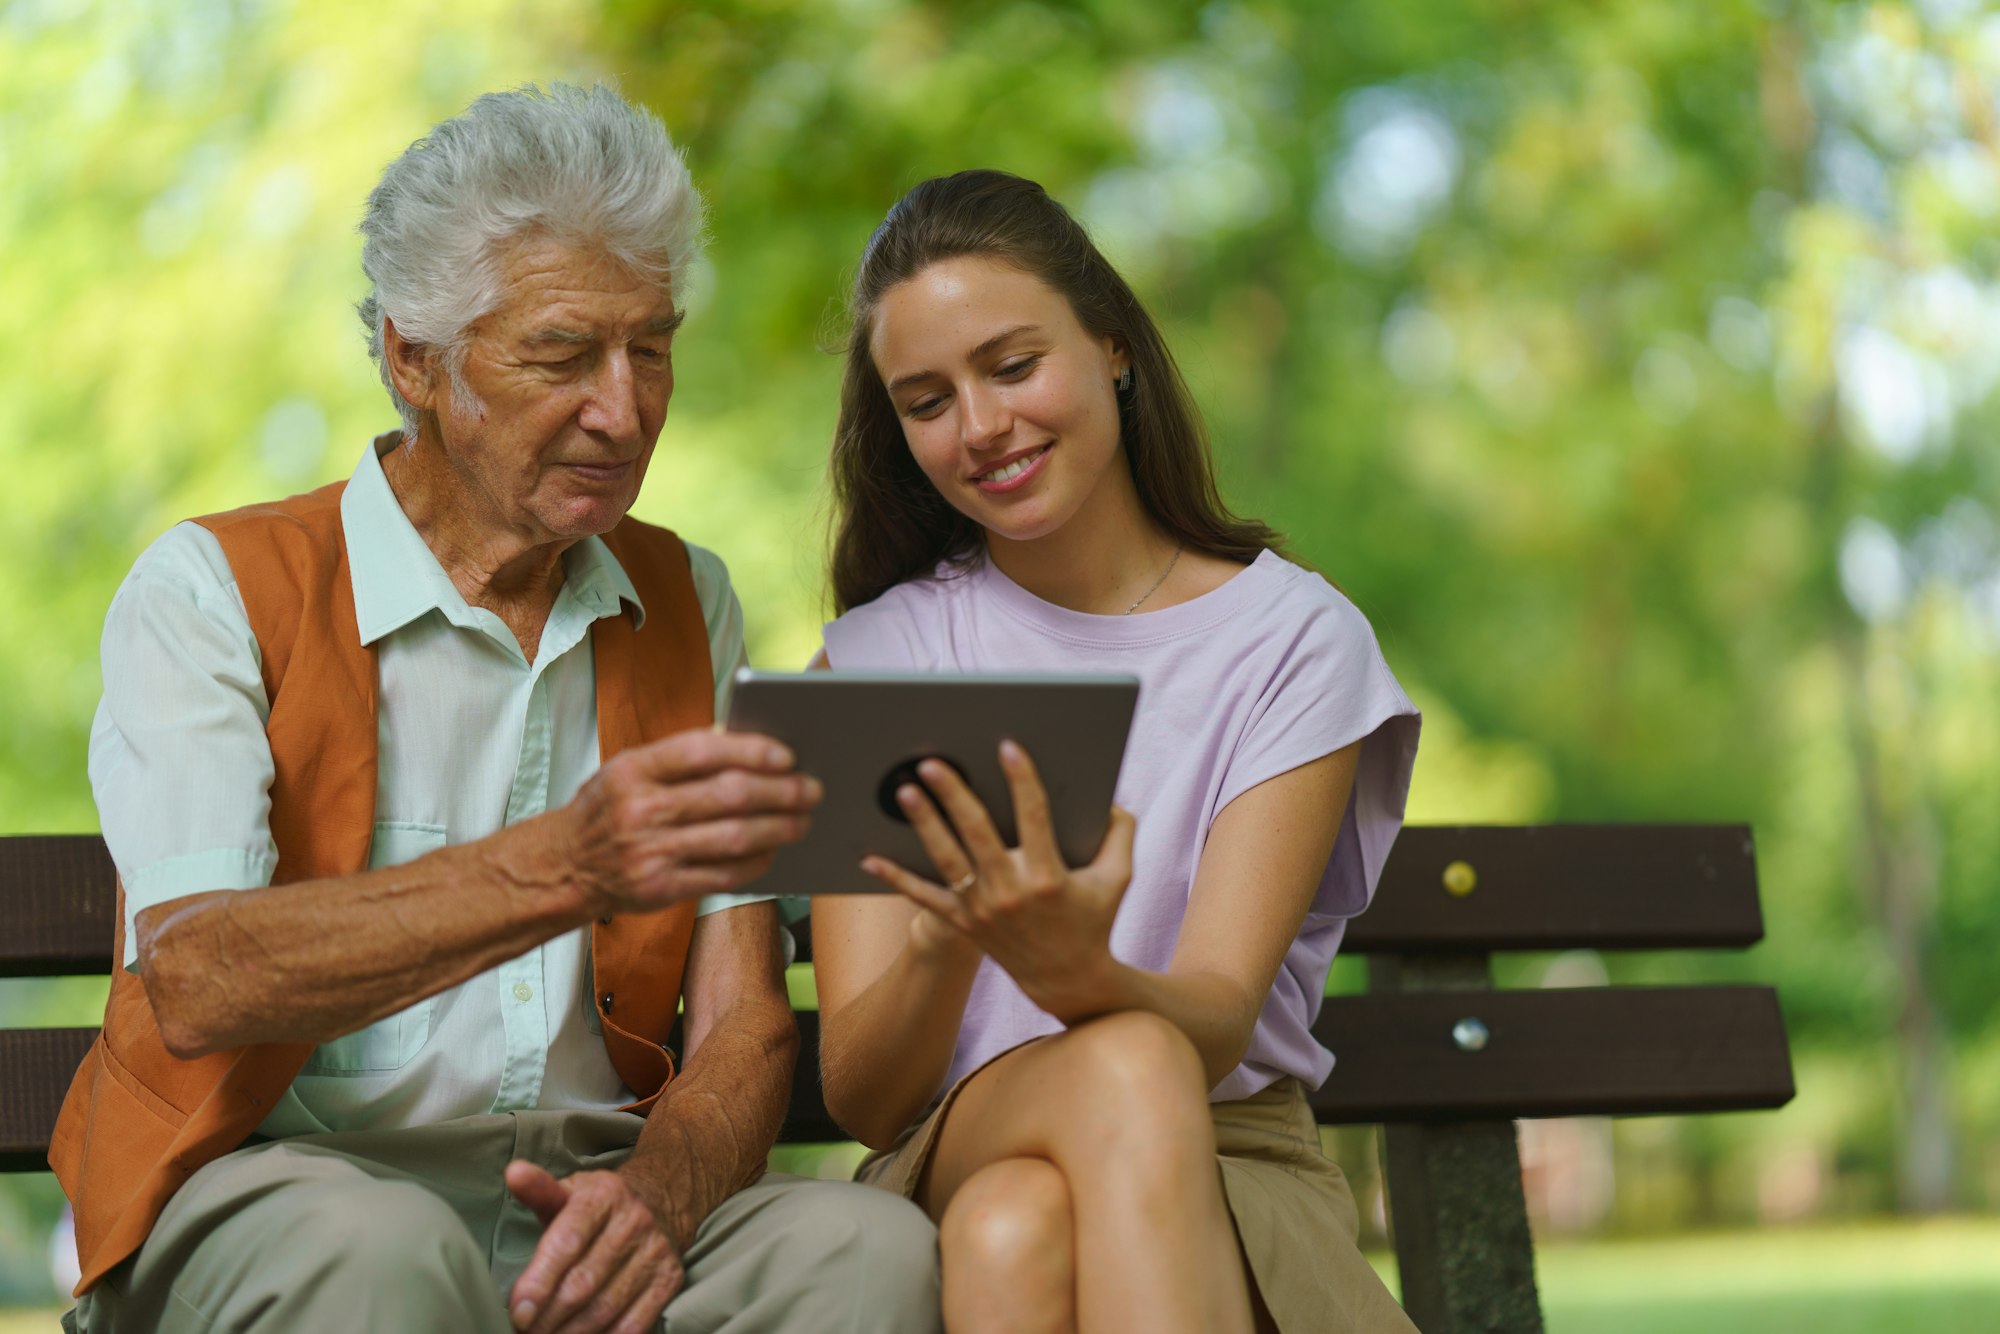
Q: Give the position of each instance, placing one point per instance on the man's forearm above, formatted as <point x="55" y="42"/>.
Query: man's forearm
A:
<point x="711" y="1131"/>
<point x="309" y="961"/>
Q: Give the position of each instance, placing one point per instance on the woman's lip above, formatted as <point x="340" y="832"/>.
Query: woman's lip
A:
<point x="1020" y="479"/>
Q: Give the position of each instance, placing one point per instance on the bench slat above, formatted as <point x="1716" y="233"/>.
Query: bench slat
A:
<point x="1571" y="1052"/>
<point x="1543" y="887"/>
<point x="59" y="893"/>
<point x="39" y="1063"/>
<point x="1552" y="887"/>
<point x="1584" y="1051"/>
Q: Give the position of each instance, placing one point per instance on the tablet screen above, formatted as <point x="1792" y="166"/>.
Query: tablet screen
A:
<point x="862" y="734"/>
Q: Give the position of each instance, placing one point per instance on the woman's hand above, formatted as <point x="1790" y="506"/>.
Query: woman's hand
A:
<point x="933" y="937"/>
<point x="1047" y="925"/>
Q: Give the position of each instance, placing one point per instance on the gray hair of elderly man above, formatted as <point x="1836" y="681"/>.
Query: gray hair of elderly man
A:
<point x="583" y="165"/>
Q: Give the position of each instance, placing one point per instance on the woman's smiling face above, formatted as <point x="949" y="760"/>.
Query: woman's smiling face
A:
<point x="1007" y="402"/>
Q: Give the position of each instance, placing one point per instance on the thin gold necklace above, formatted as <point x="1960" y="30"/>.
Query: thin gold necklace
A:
<point x="1174" y="560"/>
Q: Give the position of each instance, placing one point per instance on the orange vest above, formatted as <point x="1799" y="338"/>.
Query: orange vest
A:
<point x="138" y="1121"/>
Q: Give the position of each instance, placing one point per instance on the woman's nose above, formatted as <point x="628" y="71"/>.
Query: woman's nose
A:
<point x="983" y="416"/>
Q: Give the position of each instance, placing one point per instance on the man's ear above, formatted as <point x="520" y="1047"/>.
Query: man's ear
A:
<point x="414" y="370"/>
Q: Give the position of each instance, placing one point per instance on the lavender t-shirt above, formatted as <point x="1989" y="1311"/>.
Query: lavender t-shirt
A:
<point x="1268" y="672"/>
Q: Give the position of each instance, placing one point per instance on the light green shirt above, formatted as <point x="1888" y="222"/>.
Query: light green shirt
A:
<point x="473" y="737"/>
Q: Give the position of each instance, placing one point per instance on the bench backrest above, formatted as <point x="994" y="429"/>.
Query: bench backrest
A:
<point x="1450" y="897"/>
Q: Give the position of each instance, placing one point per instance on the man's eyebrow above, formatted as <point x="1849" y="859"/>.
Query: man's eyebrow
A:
<point x="563" y="334"/>
<point x="915" y="377"/>
<point x="556" y="333"/>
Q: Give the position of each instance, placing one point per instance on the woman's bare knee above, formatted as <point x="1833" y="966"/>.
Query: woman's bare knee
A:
<point x="1008" y="1246"/>
<point x="1013" y="1215"/>
<point x="1139" y="1072"/>
<point x="1122" y="1097"/>
<point x="1139" y="1052"/>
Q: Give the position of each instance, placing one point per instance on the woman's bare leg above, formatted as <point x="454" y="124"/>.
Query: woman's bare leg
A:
<point x="1119" y="1106"/>
<point x="1009" y="1251"/>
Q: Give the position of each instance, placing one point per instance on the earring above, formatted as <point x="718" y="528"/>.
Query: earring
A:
<point x="1124" y="381"/>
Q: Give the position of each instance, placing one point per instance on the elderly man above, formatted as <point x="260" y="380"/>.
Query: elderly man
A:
<point x="425" y="838"/>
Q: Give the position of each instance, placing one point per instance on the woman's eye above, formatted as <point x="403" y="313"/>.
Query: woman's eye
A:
<point x="1014" y="370"/>
<point x="924" y="408"/>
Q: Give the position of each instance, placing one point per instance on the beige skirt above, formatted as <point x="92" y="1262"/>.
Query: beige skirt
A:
<point x="1293" y="1211"/>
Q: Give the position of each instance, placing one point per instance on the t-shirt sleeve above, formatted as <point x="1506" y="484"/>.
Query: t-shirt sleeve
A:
<point x="1330" y="687"/>
<point x="179" y="762"/>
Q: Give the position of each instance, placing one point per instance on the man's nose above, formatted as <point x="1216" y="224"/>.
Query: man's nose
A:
<point x="611" y="408"/>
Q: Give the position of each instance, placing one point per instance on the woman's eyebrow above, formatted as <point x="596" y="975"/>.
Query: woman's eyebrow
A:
<point x="914" y="377"/>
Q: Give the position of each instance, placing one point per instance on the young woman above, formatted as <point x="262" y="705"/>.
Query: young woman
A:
<point x="1052" y="1061"/>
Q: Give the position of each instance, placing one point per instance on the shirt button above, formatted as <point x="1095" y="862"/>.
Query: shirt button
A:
<point x="522" y="991"/>
<point x="604" y="1002"/>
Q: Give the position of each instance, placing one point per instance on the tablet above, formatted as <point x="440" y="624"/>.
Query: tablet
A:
<point x="862" y="734"/>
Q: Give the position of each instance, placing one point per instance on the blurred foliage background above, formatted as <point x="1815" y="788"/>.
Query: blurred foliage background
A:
<point x="1632" y="366"/>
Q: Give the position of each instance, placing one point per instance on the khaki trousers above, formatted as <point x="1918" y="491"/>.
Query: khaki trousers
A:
<point x="413" y="1230"/>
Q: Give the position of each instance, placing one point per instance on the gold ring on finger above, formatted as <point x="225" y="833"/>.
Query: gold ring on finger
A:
<point x="963" y="883"/>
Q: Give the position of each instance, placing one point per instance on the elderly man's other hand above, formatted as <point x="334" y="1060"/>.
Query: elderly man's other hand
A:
<point x="604" y="1265"/>
<point x="696" y="813"/>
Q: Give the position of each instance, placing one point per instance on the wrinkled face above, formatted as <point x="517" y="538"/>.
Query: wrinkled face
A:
<point x="1007" y="402"/>
<point x="569" y="379"/>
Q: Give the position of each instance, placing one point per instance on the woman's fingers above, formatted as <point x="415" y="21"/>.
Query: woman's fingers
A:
<point x="1032" y="824"/>
<point x="940" y="843"/>
<point x="968" y="816"/>
<point x="1113" y="863"/>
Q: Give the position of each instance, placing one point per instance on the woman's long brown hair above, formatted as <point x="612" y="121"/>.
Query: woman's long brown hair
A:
<point x="890" y="523"/>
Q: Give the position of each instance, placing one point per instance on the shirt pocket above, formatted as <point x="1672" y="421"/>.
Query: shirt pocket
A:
<point x="391" y="1043"/>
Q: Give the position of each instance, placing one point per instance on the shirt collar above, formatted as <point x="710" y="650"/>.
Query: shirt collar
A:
<point x="596" y="579"/>
<point x="397" y="578"/>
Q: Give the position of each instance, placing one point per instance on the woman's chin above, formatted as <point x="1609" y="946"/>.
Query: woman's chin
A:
<point x="1020" y="518"/>
<point x="1017" y="529"/>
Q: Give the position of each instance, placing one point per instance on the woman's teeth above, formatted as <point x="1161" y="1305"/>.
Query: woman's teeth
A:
<point x="1016" y="468"/>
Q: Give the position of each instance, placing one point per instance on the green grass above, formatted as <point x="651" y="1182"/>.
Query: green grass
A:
<point x="1940" y="1276"/>
<point x="1885" y="1277"/>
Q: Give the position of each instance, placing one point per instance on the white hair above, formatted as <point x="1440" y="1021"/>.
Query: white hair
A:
<point x="586" y="167"/>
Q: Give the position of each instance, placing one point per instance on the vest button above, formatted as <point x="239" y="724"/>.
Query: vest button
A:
<point x="604" y="1002"/>
<point x="604" y="921"/>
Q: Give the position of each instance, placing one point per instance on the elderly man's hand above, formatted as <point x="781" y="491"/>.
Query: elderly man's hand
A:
<point x="695" y="813"/>
<point x="604" y="1265"/>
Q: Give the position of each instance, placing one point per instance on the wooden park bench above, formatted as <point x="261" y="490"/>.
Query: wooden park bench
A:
<point x="1433" y="1053"/>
